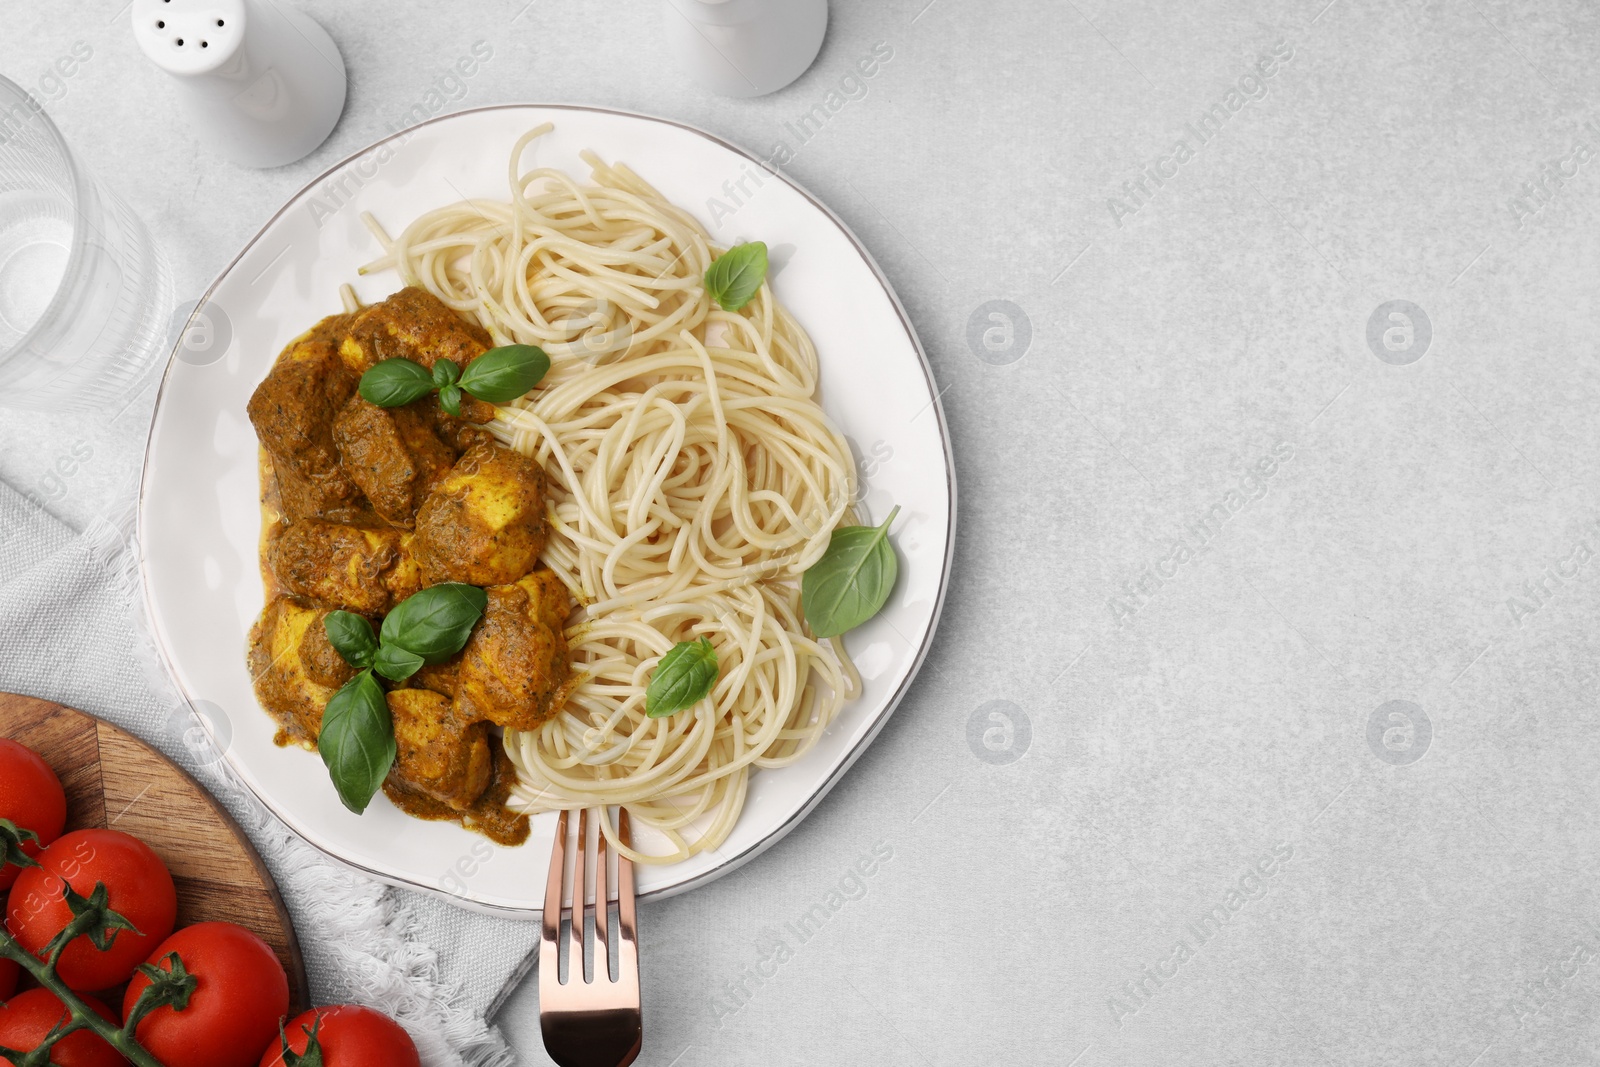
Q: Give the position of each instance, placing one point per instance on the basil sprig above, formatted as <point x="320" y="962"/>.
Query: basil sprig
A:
<point x="852" y="580"/>
<point x="394" y="382"/>
<point x="357" y="740"/>
<point x="446" y="376"/>
<point x="502" y="374"/>
<point x="357" y="737"/>
<point x="736" y="275"/>
<point x="351" y="636"/>
<point x="682" y="679"/>
<point x="499" y="376"/>
<point x="396" y="663"/>
<point x="436" y="622"/>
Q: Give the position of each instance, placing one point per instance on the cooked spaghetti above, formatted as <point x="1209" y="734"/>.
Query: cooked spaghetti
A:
<point x="693" y="479"/>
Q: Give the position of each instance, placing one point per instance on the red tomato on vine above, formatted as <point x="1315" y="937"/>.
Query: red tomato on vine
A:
<point x="28" y="1017"/>
<point x="240" y="994"/>
<point x="346" y="1036"/>
<point x="138" y="887"/>
<point x="31" y="797"/>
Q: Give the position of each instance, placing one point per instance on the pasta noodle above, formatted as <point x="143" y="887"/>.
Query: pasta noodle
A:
<point x="693" y="479"/>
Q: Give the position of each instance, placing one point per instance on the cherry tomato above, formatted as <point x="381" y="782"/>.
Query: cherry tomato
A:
<point x="31" y="797"/>
<point x="240" y="994"/>
<point x="9" y="973"/>
<point x="30" y="1016"/>
<point x="138" y="887"/>
<point x="349" y="1036"/>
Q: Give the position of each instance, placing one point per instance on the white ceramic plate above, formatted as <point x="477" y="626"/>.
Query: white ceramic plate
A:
<point x="199" y="520"/>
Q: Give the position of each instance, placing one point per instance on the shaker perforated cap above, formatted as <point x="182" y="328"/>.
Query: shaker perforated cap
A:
<point x="187" y="37"/>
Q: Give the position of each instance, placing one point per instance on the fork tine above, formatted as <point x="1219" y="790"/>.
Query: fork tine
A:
<point x="550" y="921"/>
<point x="602" y="905"/>
<point x="625" y="912"/>
<point x="627" y="928"/>
<point x="580" y="891"/>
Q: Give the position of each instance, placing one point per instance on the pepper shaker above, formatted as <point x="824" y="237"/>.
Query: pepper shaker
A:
<point x="745" y="47"/>
<point x="259" y="79"/>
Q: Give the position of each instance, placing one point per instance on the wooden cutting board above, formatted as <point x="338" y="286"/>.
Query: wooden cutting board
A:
<point x="112" y="779"/>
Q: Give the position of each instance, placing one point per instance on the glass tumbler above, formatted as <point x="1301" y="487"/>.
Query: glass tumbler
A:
<point x="84" y="293"/>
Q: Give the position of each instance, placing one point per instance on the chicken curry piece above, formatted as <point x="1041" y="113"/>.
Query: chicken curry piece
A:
<point x="412" y="324"/>
<point x="514" y="661"/>
<point x="353" y="568"/>
<point x="293" y="413"/>
<point x="364" y="506"/>
<point x="438" y="754"/>
<point x="393" y="455"/>
<point x="484" y="523"/>
<point x="295" y="668"/>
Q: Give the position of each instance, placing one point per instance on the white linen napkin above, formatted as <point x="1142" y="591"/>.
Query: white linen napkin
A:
<point x="69" y="605"/>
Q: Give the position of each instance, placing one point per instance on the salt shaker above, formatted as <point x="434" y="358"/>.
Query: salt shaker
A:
<point x="745" y="47"/>
<point x="260" y="80"/>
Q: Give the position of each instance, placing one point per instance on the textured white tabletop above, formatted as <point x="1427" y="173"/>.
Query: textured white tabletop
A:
<point x="1261" y="727"/>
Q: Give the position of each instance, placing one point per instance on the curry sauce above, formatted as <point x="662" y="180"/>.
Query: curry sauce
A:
<point x="488" y="815"/>
<point x="361" y="507"/>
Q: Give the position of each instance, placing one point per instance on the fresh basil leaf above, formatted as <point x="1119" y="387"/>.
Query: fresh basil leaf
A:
<point x="450" y="399"/>
<point x="445" y="372"/>
<point x="852" y="580"/>
<point x="394" y="382"/>
<point x="682" y="679"/>
<point x="352" y="637"/>
<point x="436" y="622"/>
<point x="395" y="663"/>
<point x="503" y="374"/>
<point x="357" y="741"/>
<point x="737" y="274"/>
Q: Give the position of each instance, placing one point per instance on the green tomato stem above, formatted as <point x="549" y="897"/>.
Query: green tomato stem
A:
<point x="83" y="1016"/>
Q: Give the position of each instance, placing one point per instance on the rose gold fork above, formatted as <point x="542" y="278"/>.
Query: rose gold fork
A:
<point x="594" y="1022"/>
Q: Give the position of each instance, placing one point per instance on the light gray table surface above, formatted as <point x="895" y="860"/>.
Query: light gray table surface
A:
<point x="1211" y="524"/>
